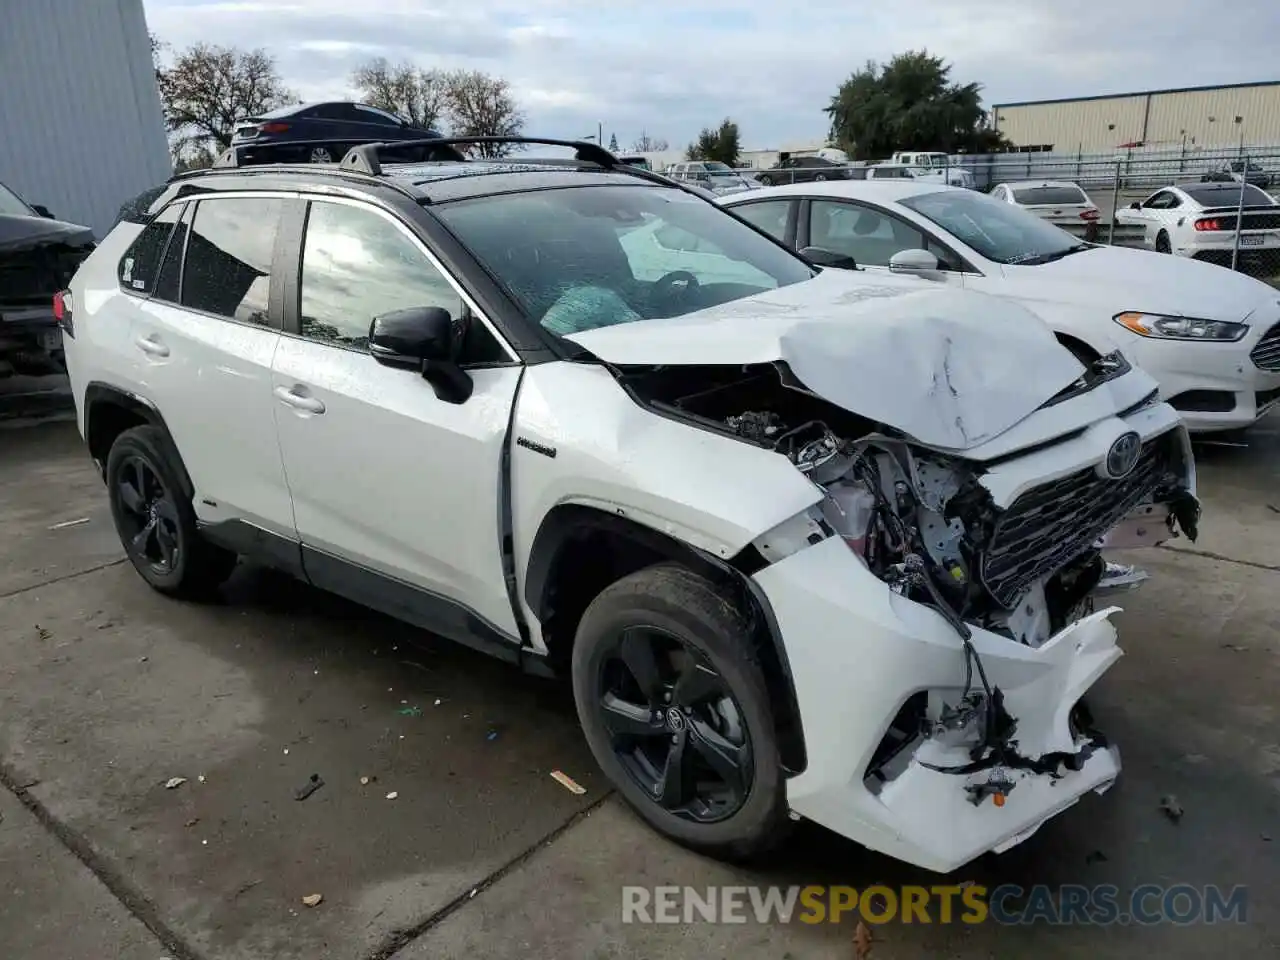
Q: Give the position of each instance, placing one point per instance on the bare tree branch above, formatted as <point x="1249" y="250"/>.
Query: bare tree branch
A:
<point x="413" y="93"/>
<point x="480" y="105"/>
<point x="647" y="144"/>
<point x="209" y="88"/>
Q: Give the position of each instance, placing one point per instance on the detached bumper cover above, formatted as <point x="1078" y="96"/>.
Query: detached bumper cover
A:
<point x="857" y="652"/>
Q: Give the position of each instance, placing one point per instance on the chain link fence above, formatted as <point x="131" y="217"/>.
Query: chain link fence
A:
<point x="1218" y="207"/>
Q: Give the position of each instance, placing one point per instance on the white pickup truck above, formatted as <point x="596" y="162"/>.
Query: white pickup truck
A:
<point x="922" y="166"/>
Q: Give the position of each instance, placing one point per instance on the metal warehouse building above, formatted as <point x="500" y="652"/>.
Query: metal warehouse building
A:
<point x="81" y="129"/>
<point x="1199" y="116"/>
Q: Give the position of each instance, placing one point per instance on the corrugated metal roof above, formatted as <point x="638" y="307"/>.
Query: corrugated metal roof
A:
<point x="81" y="129"/>
<point x="1138" y="93"/>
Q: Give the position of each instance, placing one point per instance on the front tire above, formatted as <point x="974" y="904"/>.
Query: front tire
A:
<point x="673" y="701"/>
<point x="156" y="523"/>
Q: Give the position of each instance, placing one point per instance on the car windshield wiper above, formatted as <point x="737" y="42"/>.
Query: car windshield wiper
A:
<point x="1036" y="259"/>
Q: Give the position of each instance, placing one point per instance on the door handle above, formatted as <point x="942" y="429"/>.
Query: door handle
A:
<point x="296" y="400"/>
<point x="152" y="346"/>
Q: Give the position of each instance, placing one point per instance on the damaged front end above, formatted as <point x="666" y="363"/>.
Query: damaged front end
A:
<point x="937" y="608"/>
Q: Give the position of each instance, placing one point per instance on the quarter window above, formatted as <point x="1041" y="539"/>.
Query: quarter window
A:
<point x="769" y="215"/>
<point x="356" y="265"/>
<point x="227" y="270"/>
<point x="139" y="267"/>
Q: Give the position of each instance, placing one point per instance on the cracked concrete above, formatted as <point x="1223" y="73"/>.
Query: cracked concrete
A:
<point x="107" y="690"/>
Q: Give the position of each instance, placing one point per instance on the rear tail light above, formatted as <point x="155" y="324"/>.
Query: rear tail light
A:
<point x="274" y="127"/>
<point x="1202" y="225"/>
<point x="1089" y="215"/>
<point x="62" y="304"/>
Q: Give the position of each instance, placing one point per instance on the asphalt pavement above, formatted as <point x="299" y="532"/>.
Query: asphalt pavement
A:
<point x="438" y="831"/>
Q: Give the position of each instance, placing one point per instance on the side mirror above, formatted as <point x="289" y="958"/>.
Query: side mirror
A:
<point x="829" y="258"/>
<point x="43" y="211"/>
<point x="914" y="260"/>
<point x="1135" y="205"/>
<point x="425" y="339"/>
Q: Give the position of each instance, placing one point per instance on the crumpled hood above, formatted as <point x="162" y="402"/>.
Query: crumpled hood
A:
<point x="1121" y="278"/>
<point x="951" y="368"/>
<point x="20" y="233"/>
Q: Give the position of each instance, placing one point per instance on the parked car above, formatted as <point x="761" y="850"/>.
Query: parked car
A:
<point x="1198" y="220"/>
<point x="38" y="256"/>
<point x="1209" y="336"/>
<point x="1058" y="201"/>
<point x="1236" y="171"/>
<point x="712" y="175"/>
<point x="712" y="498"/>
<point x="802" y="170"/>
<point x="318" y="132"/>
<point x="955" y="176"/>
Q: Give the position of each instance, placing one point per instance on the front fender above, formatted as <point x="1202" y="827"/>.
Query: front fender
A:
<point x="580" y="439"/>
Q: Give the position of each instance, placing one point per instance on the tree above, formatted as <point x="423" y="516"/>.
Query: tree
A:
<point x="613" y="143"/>
<point x="909" y="104"/>
<point x="417" y="95"/>
<point x="480" y="105"/>
<point x="647" y="144"/>
<point x="722" y="144"/>
<point x="209" y="88"/>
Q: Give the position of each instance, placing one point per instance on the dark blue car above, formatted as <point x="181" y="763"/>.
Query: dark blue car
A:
<point x="317" y="132"/>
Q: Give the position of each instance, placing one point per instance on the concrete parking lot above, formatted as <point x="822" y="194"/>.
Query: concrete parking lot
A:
<point x="107" y="691"/>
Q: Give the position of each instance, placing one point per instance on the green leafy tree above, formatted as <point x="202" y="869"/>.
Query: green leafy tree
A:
<point x="909" y="103"/>
<point x="723" y="144"/>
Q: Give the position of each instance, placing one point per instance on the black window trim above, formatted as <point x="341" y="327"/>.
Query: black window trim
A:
<point x="967" y="269"/>
<point x="294" y="235"/>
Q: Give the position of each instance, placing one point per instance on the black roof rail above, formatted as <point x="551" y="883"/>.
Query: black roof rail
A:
<point x="365" y="158"/>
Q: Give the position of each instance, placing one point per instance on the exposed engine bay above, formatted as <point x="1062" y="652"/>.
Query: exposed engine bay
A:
<point x="923" y="523"/>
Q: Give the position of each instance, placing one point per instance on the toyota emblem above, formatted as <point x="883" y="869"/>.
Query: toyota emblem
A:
<point x="1123" y="455"/>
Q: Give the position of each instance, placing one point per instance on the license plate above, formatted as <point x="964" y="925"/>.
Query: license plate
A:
<point x="51" y="340"/>
<point x="1251" y="241"/>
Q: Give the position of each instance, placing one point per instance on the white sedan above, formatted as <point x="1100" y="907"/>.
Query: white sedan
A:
<point x="1058" y="201"/>
<point x="1210" y="337"/>
<point x="1198" y="220"/>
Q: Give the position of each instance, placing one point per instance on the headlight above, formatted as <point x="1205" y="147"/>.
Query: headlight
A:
<point x="1180" y="328"/>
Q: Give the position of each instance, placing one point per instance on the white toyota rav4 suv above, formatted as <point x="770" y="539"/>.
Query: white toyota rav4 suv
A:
<point x="808" y="544"/>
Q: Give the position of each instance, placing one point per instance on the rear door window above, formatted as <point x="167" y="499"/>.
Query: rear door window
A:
<point x="227" y="271"/>
<point x="140" y="265"/>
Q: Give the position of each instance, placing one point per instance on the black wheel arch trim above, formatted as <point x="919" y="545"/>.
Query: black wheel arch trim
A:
<point x="564" y="522"/>
<point x="98" y="397"/>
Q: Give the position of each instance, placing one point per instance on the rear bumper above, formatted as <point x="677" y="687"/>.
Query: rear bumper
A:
<point x="31" y="340"/>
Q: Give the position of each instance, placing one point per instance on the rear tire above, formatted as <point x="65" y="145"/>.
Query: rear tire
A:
<point x="693" y="711"/>
<point x="766" y="180"/>
<point x="156" y="523"/>
<point x="1162" y="243"/>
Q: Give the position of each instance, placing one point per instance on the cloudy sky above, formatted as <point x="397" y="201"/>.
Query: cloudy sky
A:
<point x="671" y="69"/>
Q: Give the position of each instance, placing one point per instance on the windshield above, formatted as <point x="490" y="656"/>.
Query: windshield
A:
<point x="999" y="231"/>
<point x="11" y="204"/>
<point x="578" y="258"/>
<point x="1033" y="196"/>
<point x="715" y="166"/>
<point x="1226" y="194"/>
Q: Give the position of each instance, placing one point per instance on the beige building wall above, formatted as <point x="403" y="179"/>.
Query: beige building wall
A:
<point x="1200" y="117"/>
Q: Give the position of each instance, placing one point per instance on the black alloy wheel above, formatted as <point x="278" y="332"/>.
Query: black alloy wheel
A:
<point x="148" y="516"/>
<point x="674" y="726"/>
